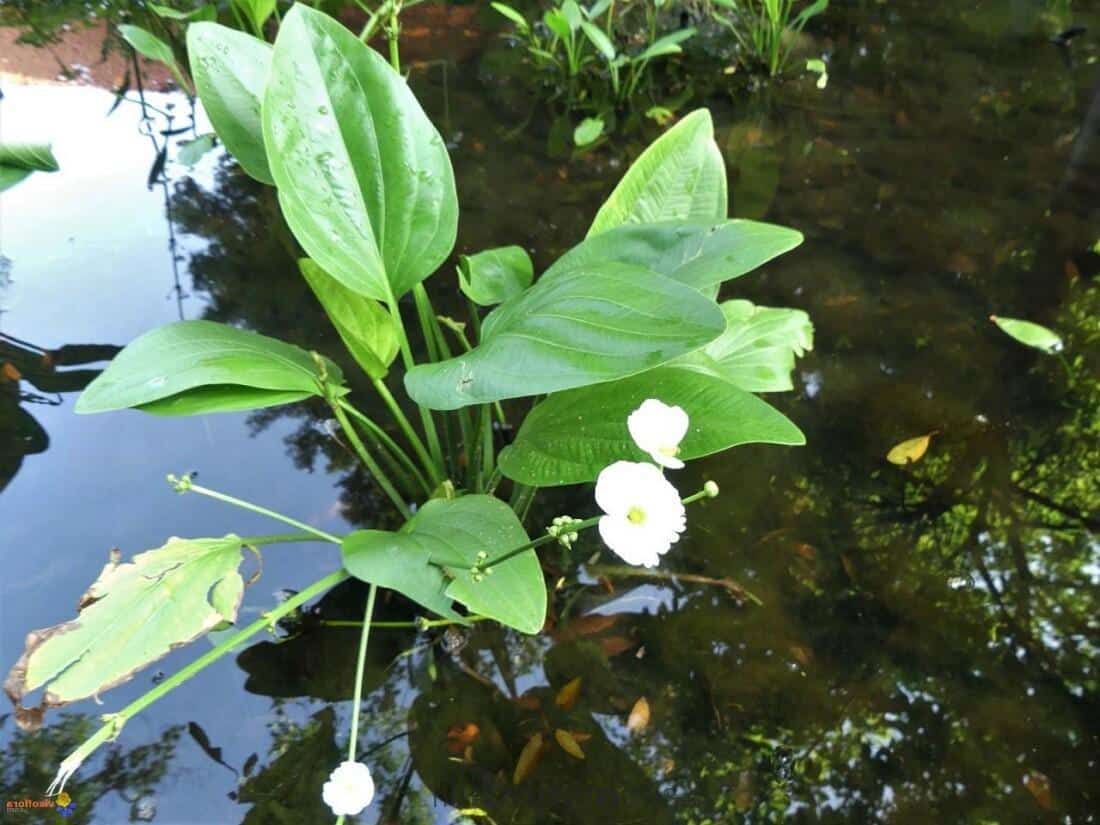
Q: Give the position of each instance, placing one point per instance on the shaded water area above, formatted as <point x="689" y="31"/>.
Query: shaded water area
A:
<point x="922" y="641"/>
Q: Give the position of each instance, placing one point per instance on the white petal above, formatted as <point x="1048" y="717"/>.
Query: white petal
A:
<point x="349" y="790"/>
<point x="614" y="487"/>
<point x="665" y="460"/>
<point x="658" y="429"/>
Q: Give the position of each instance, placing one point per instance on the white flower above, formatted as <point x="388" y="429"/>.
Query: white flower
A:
<point x="645" y="516"/>
<point x="349" y="789"/>
<point x="658" y="430"/>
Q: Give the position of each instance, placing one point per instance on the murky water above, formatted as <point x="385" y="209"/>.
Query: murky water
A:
<point x="849" y="642"/>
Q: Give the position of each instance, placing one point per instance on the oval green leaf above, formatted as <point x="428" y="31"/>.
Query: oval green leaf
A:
<point x="194" y="367"/>
<point x="367" y="330"/>
<point x="19" y="160"/>
<point x="701" y="255"/>
<point x="571" y="436"/>
<point x="758" y="349"/>
<point x="1030" y="334"/>
<point x="495" y="275"/>
<point x="133" y="614"/>
<point x="364" y="178"/>
<point x="230" y="69"/>
<point x="582" y="327"/>
<point x="680" y="176"/>
<point x="448" y="535"/>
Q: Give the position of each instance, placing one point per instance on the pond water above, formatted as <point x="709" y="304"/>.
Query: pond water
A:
<point x="850" y="641"/>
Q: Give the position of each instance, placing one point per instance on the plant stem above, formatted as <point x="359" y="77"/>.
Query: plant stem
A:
<point x="278" y="538"/>
<point x="430" y="467"/>
<point x="414" y="625"/>
<point x="255" y="508"/>
<point x="383" y="437"/>
<point x="372" y="465"/>
<point x="360" y="665"/>
<point x="115" y="721"/>
<point x="425" y="415"/>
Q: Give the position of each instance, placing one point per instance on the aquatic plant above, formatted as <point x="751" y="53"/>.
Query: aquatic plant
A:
<point x="631" y="361"/>
<point x="767" y="29"/>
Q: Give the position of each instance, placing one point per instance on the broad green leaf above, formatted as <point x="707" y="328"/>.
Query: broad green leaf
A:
<point x="571" y="436"/>
<point x="572" y="14"/>
<point x="599" y="40"/>
<point x="367" y="330"/>
<point x="1030" y="334"/>
<point x="364" y="178"/>
<point x="18" y="160"/>
<point x="230" y="70"/>
<point x="588" y="130"/>
<point x="401" y="562"/>
<point x="669" y="44"/>
<point x="511" y="14"/>
<point x="192" y="151"/>
<point x="450" y="533"/>
<point x="202" y="13"/>
<point x="147" y="44"/>
<point x="557" y="23"/>
<point x="134" y="614"/>
<point x="585" y="326"/>
<point x="701" y="255"/>
<point x="193" y="367"/>
<point x="495" y="275"/>
<point x="680" y="176"/>
<point x="758" y="349"/>
<point x="258" y="11"/>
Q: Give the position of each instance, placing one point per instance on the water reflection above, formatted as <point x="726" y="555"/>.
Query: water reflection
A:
<point x="923" y="641"/>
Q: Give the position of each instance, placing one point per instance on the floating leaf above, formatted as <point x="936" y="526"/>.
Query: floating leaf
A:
<point x="528" y="759"/>
<point x="909" y="451"/>
<point x="195" y="367"/>
<point x="1030" y="334"/>
<point x="588" y="130"/>
<point x="567" y="697"/>
<point x="133" y="614"/>
<point x="365" y="181"/>
<point x="1038" y="785"/>
<point x="571" y="436"/>
<point x="568" y="743"/>
<point x="680" y="176"/>
<point x="495" y="275"/>
<point x="585" y="326"/>
<point x="366" y="328"/>
<point x="638" y="720"/>
<point x="230" y="70"/>
<point x="446" y="536"/>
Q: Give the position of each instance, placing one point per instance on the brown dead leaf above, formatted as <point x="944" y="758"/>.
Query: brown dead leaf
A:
<point x="909" y="451"/>
<point x="1038" y="785"/>
<point x="528" y="759"/>
<point x="803" y="655"/>
<point x="639" y="716"/>
<point x="461" y="737"/>
<point x="568" y="695"/>
<point x="580" y="736"/>
<point x="10" y="371"/>
<point x="614" y="645"/>
<point x="1071" y="270"/>
<point x="568" y="743"/>
<point x="587" y="625"/>
<point x="528" y="701"/>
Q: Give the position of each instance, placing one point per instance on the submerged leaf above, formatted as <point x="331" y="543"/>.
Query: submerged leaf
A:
<point x="528" y="759"/>
<point x="1030" y="334"/>
<point x="909" y="451"/>
<point x="133" y="614"/>
<point x="567" y="697"/>
<point x="568" y="743"/>
<point x="639" y="716"/>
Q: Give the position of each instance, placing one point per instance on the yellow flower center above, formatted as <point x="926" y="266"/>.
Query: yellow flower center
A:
<point x="669" y="451"/>
<point x="635" y="515"/>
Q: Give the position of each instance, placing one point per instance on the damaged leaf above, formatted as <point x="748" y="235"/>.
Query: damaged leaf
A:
<point x="132" y="615"/>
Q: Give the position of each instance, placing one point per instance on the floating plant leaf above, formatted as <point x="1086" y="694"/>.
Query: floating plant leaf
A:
<point x="1030" y="334"/>
<point x="909" y="451"/>
<point x="133" y="614"/>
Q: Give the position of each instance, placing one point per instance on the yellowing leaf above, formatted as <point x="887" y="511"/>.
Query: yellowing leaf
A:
<point x="567" y="696"/>
<point x="568" y="743"/>
<point x="132" y="615"/>
<point x="909" y="451"/>
<point x="528" y="759"/>
<point x="639" y="716"/>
